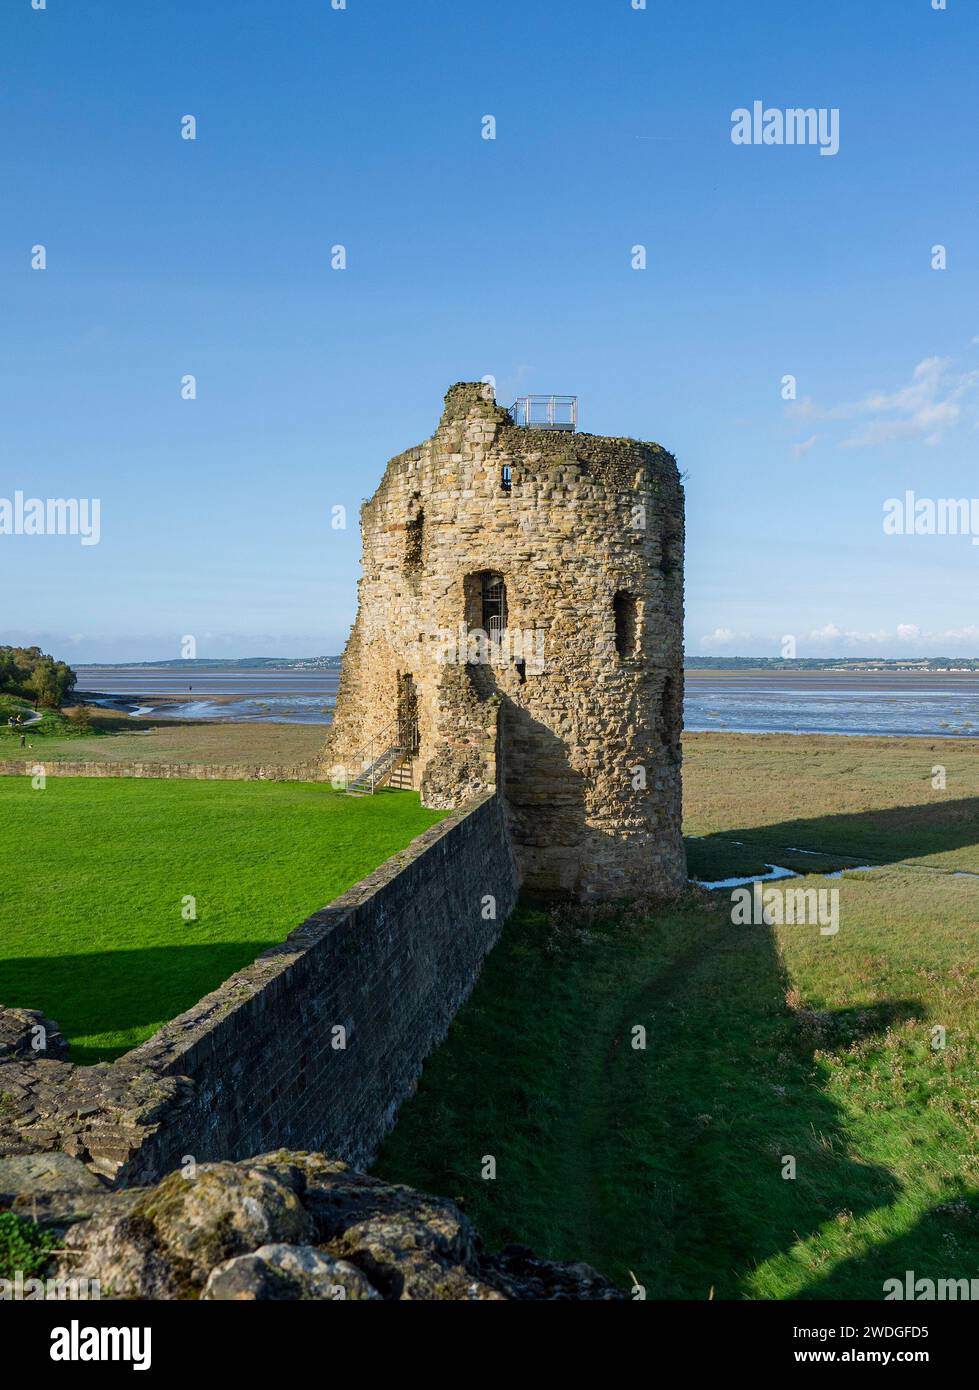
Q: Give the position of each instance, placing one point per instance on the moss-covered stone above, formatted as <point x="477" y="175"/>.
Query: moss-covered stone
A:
<point x="298" y="1226"/>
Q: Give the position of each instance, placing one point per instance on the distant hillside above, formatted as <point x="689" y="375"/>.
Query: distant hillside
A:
<point x="830" y="663"/>
<point x="692" y="663"/>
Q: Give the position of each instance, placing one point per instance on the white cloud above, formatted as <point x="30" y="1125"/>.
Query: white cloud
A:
<point x="724" y="636"/>
<point x="847" y="637"/>
<point x="860" y="639"/>
<point x="833" y="640"/>
<point x="898" y="639"/>
<point x="926" y="408"/>
<point x="801" y="449"/>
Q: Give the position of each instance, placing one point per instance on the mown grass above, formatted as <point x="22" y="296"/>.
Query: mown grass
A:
<point x="761" y="1044"/>
<point x="94" y="874"/>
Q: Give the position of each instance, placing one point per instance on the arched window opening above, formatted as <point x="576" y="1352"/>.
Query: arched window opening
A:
<point x="625" y="607"/>
<point x="485" y="615"/>
<point x="493" y="605"/>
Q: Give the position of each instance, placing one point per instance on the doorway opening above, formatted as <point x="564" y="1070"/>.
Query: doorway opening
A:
<point x="407" y="712"/>
<point x="493" y="612"/>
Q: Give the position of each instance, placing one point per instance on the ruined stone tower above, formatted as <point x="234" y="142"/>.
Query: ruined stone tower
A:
<point x="537" y="573"/>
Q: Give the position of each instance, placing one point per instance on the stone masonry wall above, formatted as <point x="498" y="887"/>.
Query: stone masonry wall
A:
<point x="590" y="758"/>
<point x="204" y="772"/>
<point x="255" y="1064"/>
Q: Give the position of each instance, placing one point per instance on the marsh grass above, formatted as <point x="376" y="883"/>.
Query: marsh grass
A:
<point x="762" y="1044"/>
<point x="105" y="736"/>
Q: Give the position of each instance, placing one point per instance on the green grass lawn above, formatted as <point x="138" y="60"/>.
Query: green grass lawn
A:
<point x="93" y="874"/>
<point x="760" y="1043"/>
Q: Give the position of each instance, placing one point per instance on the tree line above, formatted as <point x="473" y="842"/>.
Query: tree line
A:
<point x="32" y="674"/>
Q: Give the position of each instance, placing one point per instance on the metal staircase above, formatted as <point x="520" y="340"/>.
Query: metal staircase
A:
<point x="390" y="765"/>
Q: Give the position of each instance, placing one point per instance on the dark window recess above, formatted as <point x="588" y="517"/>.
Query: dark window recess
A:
<point x="626" y="625"/>
<point x="493" y="606"/>
<point x="415" y="531"/>
<point x="522" y="672"/>
<point x="407" y="712"/>
<point x="669" y="714"/>
<point x="668" y="561"/>
<point x="506" y="478"/>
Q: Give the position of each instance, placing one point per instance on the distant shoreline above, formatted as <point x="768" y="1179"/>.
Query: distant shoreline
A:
<point x="881" y="702"/>
<point x="817" y="678"/>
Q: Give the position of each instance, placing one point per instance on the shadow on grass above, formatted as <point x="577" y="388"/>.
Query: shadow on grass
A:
<point x="714" y="1157"/>
<point x="748" y="1154"/>
<point x="942" y="1245"/>
<point x="120" y="997"/>
<point x="874" y="837"/>
<point x="668" y="1162"/>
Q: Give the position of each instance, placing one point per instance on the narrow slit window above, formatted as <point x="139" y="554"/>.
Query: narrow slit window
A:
<point x="414" y="538"/>
<point x="626" y="608"/>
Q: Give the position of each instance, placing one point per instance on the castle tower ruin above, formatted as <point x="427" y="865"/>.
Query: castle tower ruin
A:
<point x="536" y="574"/>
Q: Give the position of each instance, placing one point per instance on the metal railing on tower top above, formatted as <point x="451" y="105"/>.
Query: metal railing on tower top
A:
<point x="545" y="412"/>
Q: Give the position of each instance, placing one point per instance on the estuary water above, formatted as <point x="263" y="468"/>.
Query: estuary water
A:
<point x="897" y="703"/>
<point x="831" y="702"/>
<point x="241" y="696"/>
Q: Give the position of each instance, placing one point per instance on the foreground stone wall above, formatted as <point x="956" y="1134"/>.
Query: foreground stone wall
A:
<point x="204" y="772"/>
<point x="586" y="533"/>
<point x="280" y="1226"/>
<point x="260" y="1061"/>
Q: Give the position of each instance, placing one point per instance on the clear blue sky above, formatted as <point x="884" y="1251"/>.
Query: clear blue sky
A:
<point x="468" y="257"/>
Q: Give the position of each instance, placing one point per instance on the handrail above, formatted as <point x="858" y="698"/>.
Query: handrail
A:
<point x="561" y="412"/>
<point x="407" y="731"/>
